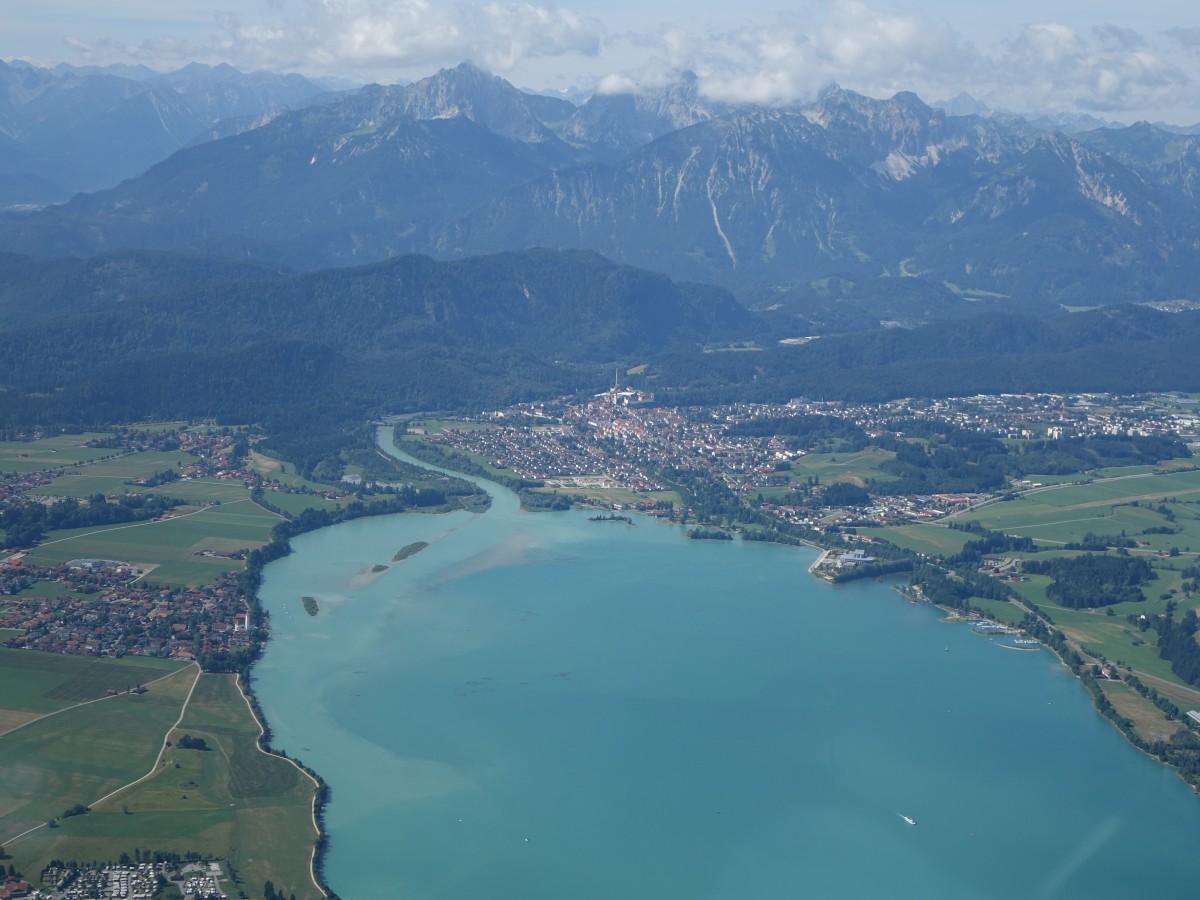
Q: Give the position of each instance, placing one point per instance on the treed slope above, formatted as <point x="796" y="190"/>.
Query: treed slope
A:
<point x="1124" y="349"/>
<point x="407" y="333"/>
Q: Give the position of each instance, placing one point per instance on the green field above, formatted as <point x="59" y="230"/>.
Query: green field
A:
<point x="282" y="472"/>
<point x="1103" y="635"/>
<point x="297" y="503"/>
<point x="1066" y="514"/>
<point x="170" y="545"/>
<point x="930" y="539"/>
<point x="1147" y="719"/>
<point x="830" y="468"/>
<point x="1000" y="610"/>
<point x="49" y="453"/>
<point x="108" y="476"/>
<point x="45" y="589"/>
<point x="231" y="801"/>
<point x="82" y="753"/>
<point x="44" y="682"/>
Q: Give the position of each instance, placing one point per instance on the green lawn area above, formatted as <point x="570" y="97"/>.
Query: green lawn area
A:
<point x="931" y="539"/>
<point x="81" y="754"/>
<point x="231" y="801"/>
<point x="169" y="544"/>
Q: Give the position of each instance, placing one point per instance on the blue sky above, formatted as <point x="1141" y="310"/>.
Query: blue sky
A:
<point x="1119" y="61"/>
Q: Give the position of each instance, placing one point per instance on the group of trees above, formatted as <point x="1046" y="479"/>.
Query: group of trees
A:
<point x="1177" y="643"/>
<point x="1093" y="580"/>
<point x="187" y="742"/>
<point x="987" y="543"/>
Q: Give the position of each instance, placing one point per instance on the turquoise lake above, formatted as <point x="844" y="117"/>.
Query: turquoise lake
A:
<point x="537" y="706"/>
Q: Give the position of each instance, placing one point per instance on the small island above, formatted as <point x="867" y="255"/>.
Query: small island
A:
<point x="611" y="517"/>
<point x="409" y="550"/>
<point x="709" y="534"/>
<point x="310" y="605"/>
<point x="377" y="568"/>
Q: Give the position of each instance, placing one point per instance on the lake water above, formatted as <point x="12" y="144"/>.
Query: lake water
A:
<point x="541" y="707"/>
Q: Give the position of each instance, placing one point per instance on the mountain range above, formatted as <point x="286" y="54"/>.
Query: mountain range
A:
<point x="70" y="129"/>
<point x="844" y="213"/>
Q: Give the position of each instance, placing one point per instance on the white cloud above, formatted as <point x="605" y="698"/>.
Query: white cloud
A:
<point x="1054" y="67"/>
<point x="372" y="38"/>
<point x="616" y="84"/>
<point x="1047" y="66"/>
<point x="853" y="44"/>
<point x="877" y="47"/>
<point x="378" y="35"/>
<point x="1188" y="38"/>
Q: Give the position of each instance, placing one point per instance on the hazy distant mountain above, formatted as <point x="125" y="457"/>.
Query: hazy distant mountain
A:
<point x="361" y="178"/>
<point x="854" y="187"/>
<point x="614" y="124"/>
<point x="1168" y="158"/>
<point x="89" y="128"/>
<point x="849" y="210"/>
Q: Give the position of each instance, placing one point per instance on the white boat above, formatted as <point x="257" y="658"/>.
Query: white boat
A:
<point x="909" y="819"/>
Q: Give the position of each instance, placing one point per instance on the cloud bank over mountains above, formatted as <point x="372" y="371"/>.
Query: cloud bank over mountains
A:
<point x="756" y="54"/>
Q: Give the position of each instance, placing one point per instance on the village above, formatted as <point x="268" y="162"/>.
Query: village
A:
<point x="195" y="880"/>
<point x="622" y="439"/>
<point x="116" y="618"/>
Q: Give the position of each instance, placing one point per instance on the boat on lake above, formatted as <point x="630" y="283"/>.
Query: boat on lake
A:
<point x="909" y="819"/>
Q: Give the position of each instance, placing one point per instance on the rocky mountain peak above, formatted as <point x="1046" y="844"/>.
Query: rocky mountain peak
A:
<point x="468" y="91"/>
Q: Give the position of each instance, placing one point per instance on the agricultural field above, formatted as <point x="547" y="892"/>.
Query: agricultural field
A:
<point x="45" y="589"/>
<point x="85" y="751"/>
<point x="295" y="504"/>
<point x="110" y="476"/>
<point x="231" y="800"/>
<point x="930" y="539"/>
<point x="36" y="684"/>
<point x="170" y="546"/>
<point x="1111" y="637"/>
<point x="1148" y="720"/>
<point x="1065" y="514"/>
<point x="605" y="496"/>
<point x="40" y="683"/>
<point x="272" y="468"/>
<point x="855" y="467"/>
<point x="49" y="453"/>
